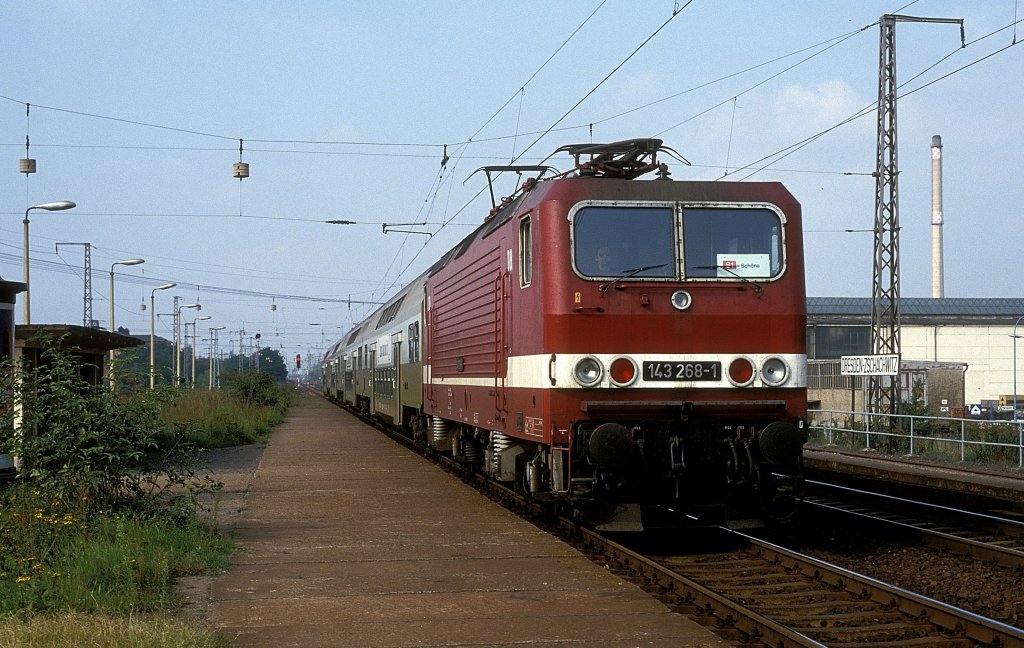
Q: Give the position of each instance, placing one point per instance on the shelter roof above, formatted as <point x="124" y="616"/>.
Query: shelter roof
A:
<point x="70" y="336"/>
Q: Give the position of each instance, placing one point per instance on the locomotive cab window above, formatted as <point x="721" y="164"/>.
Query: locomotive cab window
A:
<point x="731" y="242"/>
<point x="525" y="253"/>
<point x="613" y="241"/>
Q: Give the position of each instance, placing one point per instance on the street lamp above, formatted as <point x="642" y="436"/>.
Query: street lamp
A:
<point x="152" y="331"/>
<point x="194" y="336"/>
<point x="50" y="206"/>
<point x="177" y="340"/>
<point x="126" y="262"/>
<point x="213" y="348"/>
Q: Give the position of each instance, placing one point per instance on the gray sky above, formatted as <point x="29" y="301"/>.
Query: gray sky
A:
<point x="344" y="110"/>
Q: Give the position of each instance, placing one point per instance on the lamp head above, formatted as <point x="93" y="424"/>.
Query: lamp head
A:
<point x="130" y="262"/>
<point x="60" y="205"/>
<point x="165" y="286"/>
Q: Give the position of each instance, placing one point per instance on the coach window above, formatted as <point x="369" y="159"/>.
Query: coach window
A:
<point x="414" y="342"/>
<point x="525" y="253"/>
<point x="732" y="242"/>
<point x="615" y="241"/>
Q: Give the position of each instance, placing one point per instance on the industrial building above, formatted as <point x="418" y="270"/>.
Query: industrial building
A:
<point x="962" y="351"/>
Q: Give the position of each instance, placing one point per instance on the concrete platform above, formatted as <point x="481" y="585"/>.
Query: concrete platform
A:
<point x="345" y="539"/>
<point x="914" y="472"/>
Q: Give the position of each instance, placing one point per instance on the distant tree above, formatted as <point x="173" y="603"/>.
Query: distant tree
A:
<point x="270" y="363"/>
<point x="136" y="361"/>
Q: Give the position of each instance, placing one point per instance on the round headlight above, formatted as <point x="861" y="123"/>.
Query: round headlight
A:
<point x="741" y="372"/>
<point x="588" y="371"/>
<point x="622" y="371"/>
<point x="681" y="300"/>
<point x="774" y="371"/>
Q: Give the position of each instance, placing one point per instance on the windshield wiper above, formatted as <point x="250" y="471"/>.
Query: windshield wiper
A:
<point x="632" y="272"/>
<point x="757" y="287"/>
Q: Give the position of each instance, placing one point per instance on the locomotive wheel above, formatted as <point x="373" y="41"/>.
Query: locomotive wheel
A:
<point x="783" y="496"/>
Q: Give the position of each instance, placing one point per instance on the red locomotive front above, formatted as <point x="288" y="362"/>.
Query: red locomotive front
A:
<point x="636" y="347"/>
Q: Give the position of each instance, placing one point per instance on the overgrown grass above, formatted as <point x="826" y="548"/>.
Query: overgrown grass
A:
<point x="54" y="559"/>
<point x="98" y="631"/>
<point x="216" y="419"/>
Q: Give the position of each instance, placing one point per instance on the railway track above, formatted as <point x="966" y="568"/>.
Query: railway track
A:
<point x="783" y="598"/>
<point x="762" y="594"/>
<point x="981" y="536"/>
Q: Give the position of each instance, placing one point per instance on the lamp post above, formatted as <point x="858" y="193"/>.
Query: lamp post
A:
<point x="50" y="206"/>
<point x="113" y="352"/>
<point x="177" y="340"/>
<point x="213" y="349"/>
<point x="152" y="332"/>
<point x="194" y="336"/>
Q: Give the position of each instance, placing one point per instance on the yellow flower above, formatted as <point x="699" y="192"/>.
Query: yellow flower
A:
<point x="23" y="579"/>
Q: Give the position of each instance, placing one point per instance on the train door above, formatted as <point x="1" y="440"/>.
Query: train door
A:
<point x="350" y="379"/>
<point x="371" y="356"/>
<point x="429" y="325"/>
<point x="396" y="377"/>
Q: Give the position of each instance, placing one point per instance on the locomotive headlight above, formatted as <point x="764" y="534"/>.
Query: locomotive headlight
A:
<point x="622" y="371"/>
<point x="774" y="371"/>
<point x="681" y="300"/>
<point x="588" y="371"/>
<point x="741" y="372"/>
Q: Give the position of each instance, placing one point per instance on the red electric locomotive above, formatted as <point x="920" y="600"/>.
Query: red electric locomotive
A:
<point x="633" y="347"/>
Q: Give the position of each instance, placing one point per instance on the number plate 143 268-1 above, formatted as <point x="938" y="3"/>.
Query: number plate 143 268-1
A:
<point x="682" y="370"/>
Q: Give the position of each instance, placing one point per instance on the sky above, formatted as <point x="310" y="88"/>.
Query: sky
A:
<point x="136" y="111"/>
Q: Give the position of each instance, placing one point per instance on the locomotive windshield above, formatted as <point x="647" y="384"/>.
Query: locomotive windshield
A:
<point x="717" y="242"/>
<point x="613" y="241"/>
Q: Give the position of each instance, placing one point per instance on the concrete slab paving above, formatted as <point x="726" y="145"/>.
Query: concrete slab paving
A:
<point x="345" y="539"/>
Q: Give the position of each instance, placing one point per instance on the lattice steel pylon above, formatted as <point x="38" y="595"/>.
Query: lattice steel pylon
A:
<point x="883" y="391"/>
<point x="87" y="277"/>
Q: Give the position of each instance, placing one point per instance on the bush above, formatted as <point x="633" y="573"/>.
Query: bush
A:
<point x="256" y="388"/>
<point x="82" y="444"/>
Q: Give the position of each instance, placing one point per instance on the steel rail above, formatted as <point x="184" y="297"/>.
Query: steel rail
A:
<point x="1002" y="544"/>
<point x="984" y="631"/>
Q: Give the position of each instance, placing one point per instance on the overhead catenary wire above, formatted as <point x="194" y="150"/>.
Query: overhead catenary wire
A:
<point x="435" y="192"/>
<point x="675" y="12"/>
<point x="870" y="108"/>
<point x="473" y="139"/>
<point x="464" y="146"/>
<point x="438" y="145"/>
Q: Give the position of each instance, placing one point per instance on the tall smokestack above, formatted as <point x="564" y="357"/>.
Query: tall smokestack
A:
<point x="937" y="289"/>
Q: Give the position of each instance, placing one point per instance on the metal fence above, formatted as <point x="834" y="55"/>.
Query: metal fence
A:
<point x="967" y="440"/>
